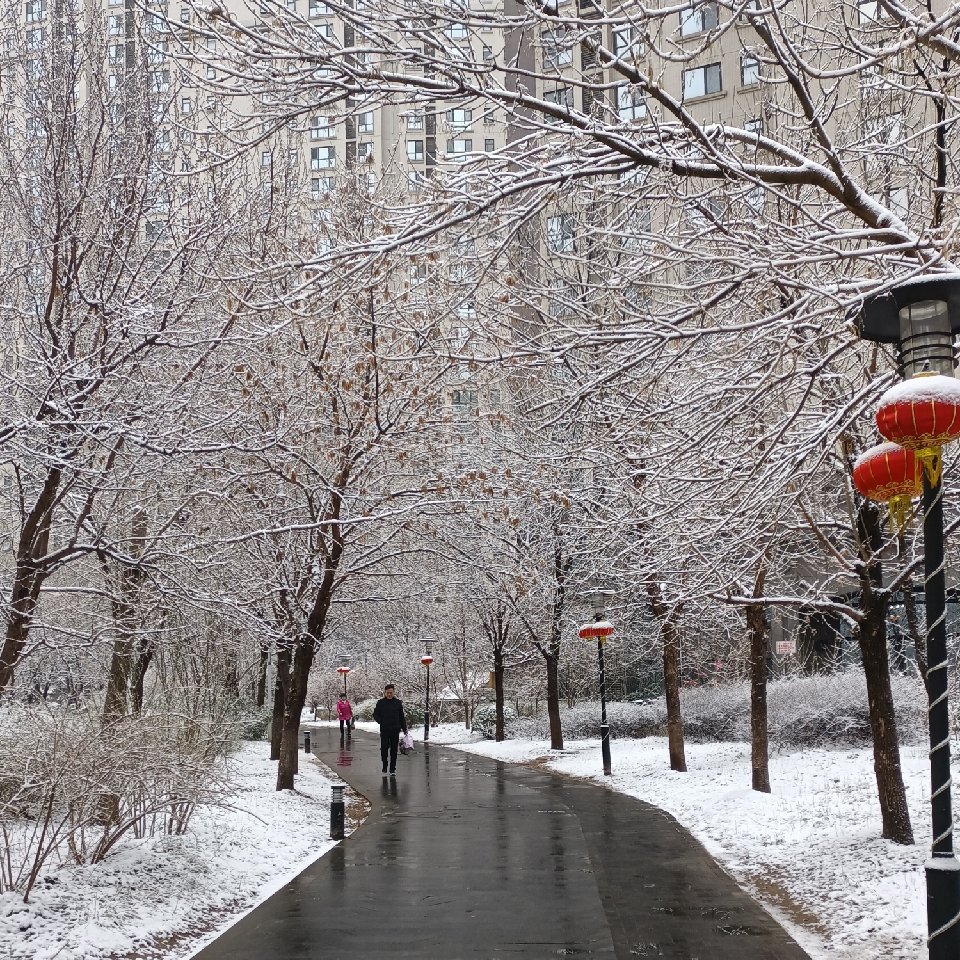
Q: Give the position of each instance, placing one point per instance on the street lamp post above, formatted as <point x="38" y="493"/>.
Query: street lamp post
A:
<point x="426" y="660"/>
<point x="601" y="629"/>
<point x="343" y="669"/>
<point x="921" y="317"/>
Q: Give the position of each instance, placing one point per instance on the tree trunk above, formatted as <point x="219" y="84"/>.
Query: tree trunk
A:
<point x="262" y="676"/>
<point x="28" y="576"/>
<point x="118" y="681"/>
<point x="872" y="637"/>
<point x="553" y="702"/>
<point x="500" y="732"/>
<point x="759" y="749"/>
<point x="671" y="678"/>
<point x="276" y="726"/>
<point x="140" y="667"/>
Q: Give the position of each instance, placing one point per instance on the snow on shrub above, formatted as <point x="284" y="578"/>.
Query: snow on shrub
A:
<point x="485" y="719"/>
<point x="801" y="711"/>
<point x="72" y="787"/>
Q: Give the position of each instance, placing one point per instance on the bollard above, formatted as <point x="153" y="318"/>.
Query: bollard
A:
<point x="336" y="813"/>
<point x="306" y="741"/>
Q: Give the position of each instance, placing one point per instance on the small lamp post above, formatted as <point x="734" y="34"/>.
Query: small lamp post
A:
<point x="426" y="660"/>
<point x="343" y="669"/>
<point x="601" y="629"/>
<point x="921" y="317"/>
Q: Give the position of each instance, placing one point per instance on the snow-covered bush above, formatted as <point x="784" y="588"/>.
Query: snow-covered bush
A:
<point x="364" y="709"/>
<point x="485" y="719"/>
<point x="72" y="786"/>
<point x="253" y="723"/>
<point x="801" y="711"/>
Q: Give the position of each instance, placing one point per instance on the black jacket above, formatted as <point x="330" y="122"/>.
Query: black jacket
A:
<point x="389" y="714"/>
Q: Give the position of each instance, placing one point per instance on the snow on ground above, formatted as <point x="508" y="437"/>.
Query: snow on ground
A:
<point x="169" y="896"/>
<point x="810" y="851"/>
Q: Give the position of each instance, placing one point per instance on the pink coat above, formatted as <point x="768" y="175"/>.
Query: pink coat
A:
<point x="344" y="710"/>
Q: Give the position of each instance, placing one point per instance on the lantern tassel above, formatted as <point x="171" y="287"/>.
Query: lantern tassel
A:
<point x="932" y="463"/>
<point x="900" y="512"/>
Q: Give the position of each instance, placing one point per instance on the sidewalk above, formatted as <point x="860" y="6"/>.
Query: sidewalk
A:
<point x="465" y="857"/>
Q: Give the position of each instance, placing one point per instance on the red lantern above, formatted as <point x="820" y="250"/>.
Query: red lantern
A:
<point x="427" y="660"/>
<point x="889" y="473"/>
<point x="343" y="670"/>
<point x="922" y="414"/>
<point x="599" y="629"/>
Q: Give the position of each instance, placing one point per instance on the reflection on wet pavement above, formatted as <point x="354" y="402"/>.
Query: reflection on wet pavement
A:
<point x="464" y="857"/>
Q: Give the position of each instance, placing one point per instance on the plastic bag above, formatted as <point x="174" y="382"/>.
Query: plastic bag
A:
<point x="406" y="741"/>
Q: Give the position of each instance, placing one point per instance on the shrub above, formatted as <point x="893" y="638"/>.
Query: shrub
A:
<point x="364" y="709"/>
<point x="801" y="711"/>
<point x="485" y="719"/>
<point x="253" y="722"/>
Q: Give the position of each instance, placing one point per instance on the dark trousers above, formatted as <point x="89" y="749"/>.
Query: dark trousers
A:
<point x="389" y="741"/>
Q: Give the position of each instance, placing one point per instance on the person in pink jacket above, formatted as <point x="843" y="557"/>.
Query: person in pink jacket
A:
<point x="344" y="713"/>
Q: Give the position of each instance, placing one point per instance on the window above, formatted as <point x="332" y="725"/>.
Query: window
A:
<point x="415" y="150"/>
<point x="630" y="103"/>
<point x="322" y="186"/>
<point x="365" y="122"/>
<point x="322" y="158"/>
<point x="318" y="8"/>
<point x="487" y="53"/>
<point x="560" y="233"/>
<point x="459" y="117"/>
<point x="324" y="31"/>
<point x="704" y="17"/>
<point x="900" y="202"/>
<point x="489" y="116"/>
<point x="418" y="274"/>
<point x="211" y="44"/>
<point x="36" y="39"/>
<point x="562" y="98"/>
<point x="211" y="73"/>
<point x="292" y="6"/>
<point x="365" y="152"/>
<point x="184" y="14"/>
<point x="186" y="107"/>
<point x="322" y="128"/>
<point x="701" y="81"/>
<point x="36" y="10"/>
<point x="754" y="126"/>
<point x="457" y="31"/>
<point x="489" y="145"/>
<point x="557" y="50"/>
<point x="415" y="120"/>
<point x="462" y="397"/>
<point x="157" y="53"/>
<point x="266" y="158"/>
<point x="494" y="395"/>
<point x="749" y="71"/>
<point x="115" y="25"/>
<point x="459" y="147"/>
<point x="871" y="12"/>
<point x="160" y="81"/>
<point x="627" y="42"/>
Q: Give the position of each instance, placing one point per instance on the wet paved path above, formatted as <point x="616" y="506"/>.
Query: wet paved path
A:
<point x="466" y="857"/>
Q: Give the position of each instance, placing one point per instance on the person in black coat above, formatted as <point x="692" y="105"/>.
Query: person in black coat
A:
<point x="389" y="714"/>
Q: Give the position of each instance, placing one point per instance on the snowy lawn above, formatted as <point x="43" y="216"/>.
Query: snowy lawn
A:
<point x="169" y="896"/>
<point x="810" y="852"/>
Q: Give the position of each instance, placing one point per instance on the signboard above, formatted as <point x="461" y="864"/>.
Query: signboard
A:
<point x="786" y="647"/>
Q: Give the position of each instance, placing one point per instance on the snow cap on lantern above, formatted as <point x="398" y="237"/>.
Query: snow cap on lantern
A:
<point x="599" y="628"/>
<point x="922" y="412"/>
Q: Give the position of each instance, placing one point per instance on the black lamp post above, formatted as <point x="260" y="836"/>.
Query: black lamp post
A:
<point x="426" y="660"/>
<point x="601" y="629"/>
<point x="343" y="669"/>
<point x="921" y="317"/>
